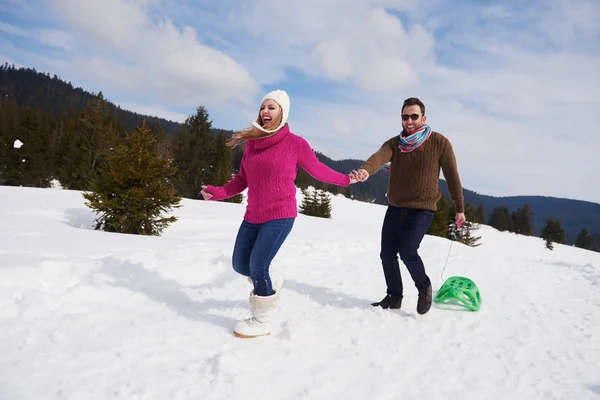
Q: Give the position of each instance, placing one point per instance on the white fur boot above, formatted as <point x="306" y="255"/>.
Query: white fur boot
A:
<point x="258" y="323"/>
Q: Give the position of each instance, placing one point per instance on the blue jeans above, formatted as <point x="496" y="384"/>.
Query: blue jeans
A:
<point x="255" y="247"/>
<point x="402" y="233"/>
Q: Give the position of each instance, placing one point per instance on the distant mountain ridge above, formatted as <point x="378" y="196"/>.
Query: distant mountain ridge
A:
<point x="28" y="87"/>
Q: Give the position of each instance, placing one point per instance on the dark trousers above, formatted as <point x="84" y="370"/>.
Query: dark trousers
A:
<point x="255" y="247"/>
<point x="402" y="233"/>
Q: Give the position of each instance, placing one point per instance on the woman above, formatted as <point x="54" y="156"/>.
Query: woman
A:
<point x="268" y="169"/>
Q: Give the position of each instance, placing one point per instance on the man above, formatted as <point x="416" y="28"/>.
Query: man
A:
<point x="416" y="157"/>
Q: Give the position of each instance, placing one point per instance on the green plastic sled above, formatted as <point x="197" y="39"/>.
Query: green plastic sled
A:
<point x="462" y="289"/>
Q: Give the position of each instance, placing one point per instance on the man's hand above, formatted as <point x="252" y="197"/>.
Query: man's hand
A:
<point x="360" y="176"/>
<point x="205" y="194"/>
<point x="460" y="219"/>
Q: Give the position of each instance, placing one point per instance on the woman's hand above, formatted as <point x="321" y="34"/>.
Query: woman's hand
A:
<point x="205" y="194"/>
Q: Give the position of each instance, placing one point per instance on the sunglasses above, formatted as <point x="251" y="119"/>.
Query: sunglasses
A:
<point x="414" y="117"/>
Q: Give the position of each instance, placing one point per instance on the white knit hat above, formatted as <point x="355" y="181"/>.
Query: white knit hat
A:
<point x="282" y="98"/>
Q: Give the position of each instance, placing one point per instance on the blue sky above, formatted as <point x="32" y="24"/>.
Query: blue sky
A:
<point x="513" y="84"/>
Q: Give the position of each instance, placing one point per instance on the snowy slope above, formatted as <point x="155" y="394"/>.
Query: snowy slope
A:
<point x="93" y="315"/>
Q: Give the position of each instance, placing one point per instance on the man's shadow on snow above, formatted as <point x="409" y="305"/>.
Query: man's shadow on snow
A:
<point x="594" y="388"/>
<point x="134" y="277"/>
<point x="328" y="297"/>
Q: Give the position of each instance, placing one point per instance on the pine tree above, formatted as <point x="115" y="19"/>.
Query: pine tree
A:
<point x="526" y="220"/>
<point x="324" y="202"/>
<point x="134" y="188"/>
<point x="88" y="142"/>
<point x="222" y="159"/>
<point x="56" y="136"/>
<point x="439" y="223"/>
<point x="30" y="164"/>
<point x="315" y="203"/>
<point x="308" y="205"/>
<point x="99" y="128"/>
<point x="501" y="219"/>
<point x="70" y="162"/>
<point x="584" y="240"/>
<point x="161" y="139"/>
<point x="547" y="235"/>
<point x="595" y="239"/>
<point x="553" y="233"/>
<point x="479" y="215"/>
<point x="523" y="221"/>
<point x="9" y="156"/>
<point x="192" y="148"/>
<point x="464" y="235"/>
<point x="469" y="212"/>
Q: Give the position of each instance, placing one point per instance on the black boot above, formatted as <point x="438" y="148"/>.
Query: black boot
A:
<point x="389" y="301"/>
<point x="424" y="303"/>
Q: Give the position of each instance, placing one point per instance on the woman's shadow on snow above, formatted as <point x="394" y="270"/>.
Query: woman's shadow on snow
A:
<point x="328" y="297"/>
<point x="134" y="277"/>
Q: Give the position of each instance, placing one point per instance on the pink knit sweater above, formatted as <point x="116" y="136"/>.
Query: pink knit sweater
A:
<point x="268" y="170"/>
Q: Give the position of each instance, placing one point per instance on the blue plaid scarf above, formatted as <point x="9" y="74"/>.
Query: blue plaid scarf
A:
<point x="409" y="143"/>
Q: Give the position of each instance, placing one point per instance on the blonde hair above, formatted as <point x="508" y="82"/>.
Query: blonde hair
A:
<point x="255" y="133"/>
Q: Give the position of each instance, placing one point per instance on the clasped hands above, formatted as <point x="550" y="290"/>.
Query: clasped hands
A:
<point x="358" y="176"/>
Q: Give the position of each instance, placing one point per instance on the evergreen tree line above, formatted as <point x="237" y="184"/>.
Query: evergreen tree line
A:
<point x="519" y="222"/>
<point x="72" y="146"/>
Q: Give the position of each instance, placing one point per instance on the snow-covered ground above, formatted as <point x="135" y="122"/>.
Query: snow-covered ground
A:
<point x="86" y="314"/>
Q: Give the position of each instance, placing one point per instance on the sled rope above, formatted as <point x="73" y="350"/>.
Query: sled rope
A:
<point x="447" y="257"/>
<point x="452" y="239"/>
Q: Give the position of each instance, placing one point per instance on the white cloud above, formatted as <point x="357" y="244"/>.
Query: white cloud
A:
<point x="49" y="37"/>
<point x="123" y="47"/>
<point x="345" y="42"/>
<point x="120" y="25"/>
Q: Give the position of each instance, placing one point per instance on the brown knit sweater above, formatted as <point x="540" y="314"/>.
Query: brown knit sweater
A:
<point x="414" y="176"/>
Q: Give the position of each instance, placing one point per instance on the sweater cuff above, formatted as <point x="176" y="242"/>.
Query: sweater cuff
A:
<point x="367" y="167"/>
<point x="217" y="192"/>
<point x="459" y="204"/>
<point x="345" y="182"/>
